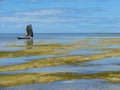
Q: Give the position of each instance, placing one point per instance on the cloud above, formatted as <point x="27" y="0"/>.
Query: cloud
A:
<point x="105" y="20"/>
<point x="60" y="11"/>
<point x="40" y="12"/>
<point x="80" y="20"/>
<point x="17" y="19"/>
<point x="52" y="15"/>
<point x="59" y="15"/>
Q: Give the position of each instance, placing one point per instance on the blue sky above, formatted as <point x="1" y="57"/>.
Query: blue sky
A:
<point x="60" y="16"/>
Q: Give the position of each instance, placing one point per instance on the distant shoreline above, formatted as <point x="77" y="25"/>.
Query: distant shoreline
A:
<point x="63" y="33"/>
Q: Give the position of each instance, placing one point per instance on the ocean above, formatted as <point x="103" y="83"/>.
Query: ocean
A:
<point x="82" y="44"/>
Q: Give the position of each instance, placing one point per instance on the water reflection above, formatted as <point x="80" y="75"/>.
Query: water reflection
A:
<point x="29" y="43"/>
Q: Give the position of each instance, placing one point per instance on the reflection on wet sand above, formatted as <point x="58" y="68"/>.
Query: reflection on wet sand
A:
<point x="29" y="43"/>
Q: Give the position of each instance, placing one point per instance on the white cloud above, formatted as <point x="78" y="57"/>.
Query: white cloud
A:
<point x="58" y="15"/>
<point x="41" y="12"/>
<point x="16" y="19"/>
<point x="38" y="20"/>
<point x="49" y="19"/>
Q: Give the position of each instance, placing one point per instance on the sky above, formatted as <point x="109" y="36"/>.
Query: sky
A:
<point x="60" y="16"/>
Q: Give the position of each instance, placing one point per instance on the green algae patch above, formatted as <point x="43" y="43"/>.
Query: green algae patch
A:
<point x="56" y="61"/>
<point x="58" y="48"/>
<point x="31" y="78"/>
<point x="43" y="49"/>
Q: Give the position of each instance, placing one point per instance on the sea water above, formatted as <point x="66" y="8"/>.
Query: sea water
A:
<point x="103" y="65"/>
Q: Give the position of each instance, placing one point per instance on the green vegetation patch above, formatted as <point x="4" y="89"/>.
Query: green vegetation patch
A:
<point x="30" y="78"/>
<point x="58" y="61"/>
<point x="43" y="49"/>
